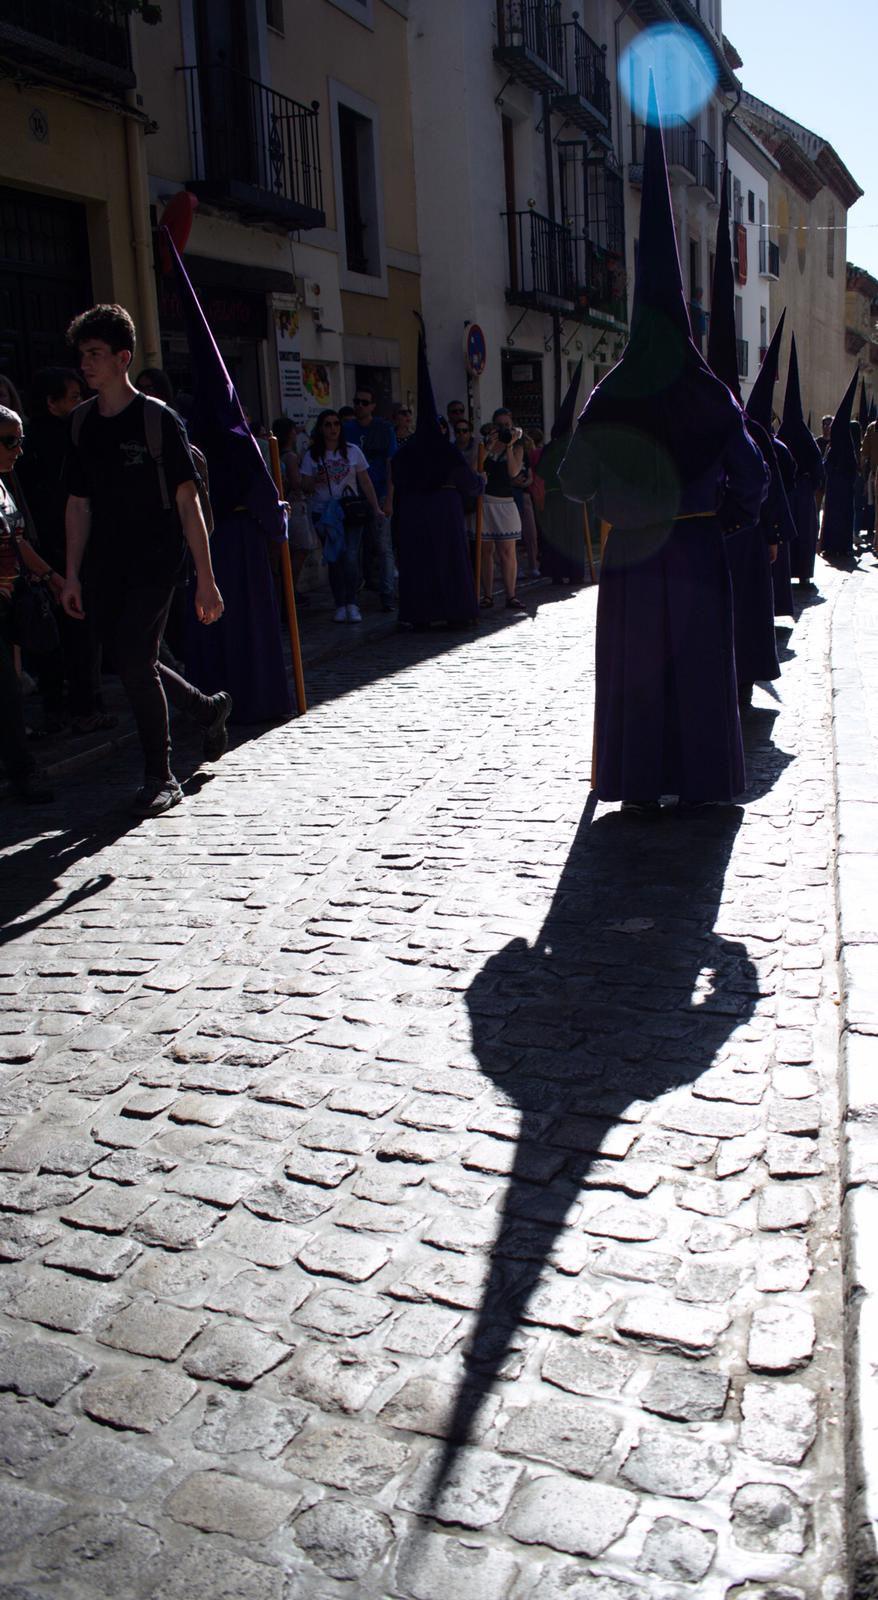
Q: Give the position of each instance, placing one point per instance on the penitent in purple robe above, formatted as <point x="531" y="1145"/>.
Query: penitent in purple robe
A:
<point x="662" y="448"/>
<point x="842" y="468"/>
<point x="749" y="549"/>
<point x="243" y="652"/>
<point x="430" y="478"/>
<point x="799" y="440"/>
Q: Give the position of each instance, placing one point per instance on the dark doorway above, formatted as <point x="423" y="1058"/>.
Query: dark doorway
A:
<point x="522" y="377"/>
<point x="44" y="280"/>
<point x="380" y="381"/>
<point x="230" y="101"/>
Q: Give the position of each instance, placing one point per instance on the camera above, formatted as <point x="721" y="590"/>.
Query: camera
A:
<point x="505" y="435"/>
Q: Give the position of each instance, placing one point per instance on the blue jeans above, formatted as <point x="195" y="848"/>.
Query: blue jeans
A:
<point x="344" y="574"/>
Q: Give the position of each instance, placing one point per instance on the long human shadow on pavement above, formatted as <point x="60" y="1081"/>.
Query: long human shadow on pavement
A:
<point x="628" y="992"/>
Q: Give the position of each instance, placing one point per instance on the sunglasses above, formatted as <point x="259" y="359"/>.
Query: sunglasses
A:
<point x="464" y="429"/>
<point x="12" y="441"/>
<point x="359" y="401"/>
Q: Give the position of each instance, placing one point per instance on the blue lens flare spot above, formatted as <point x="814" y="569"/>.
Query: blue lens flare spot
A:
<point x="685" y="72"/>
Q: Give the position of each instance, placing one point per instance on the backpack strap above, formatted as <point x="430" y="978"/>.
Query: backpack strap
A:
<point x="152" y="423"/>
<point x="78" y="416"/>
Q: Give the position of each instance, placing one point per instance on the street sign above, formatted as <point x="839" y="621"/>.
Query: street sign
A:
<point x="475" y="350"/>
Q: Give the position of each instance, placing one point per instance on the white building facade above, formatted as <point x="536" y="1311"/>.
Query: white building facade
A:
<point x="755" y="251"/>
<point x="528" y="135"/>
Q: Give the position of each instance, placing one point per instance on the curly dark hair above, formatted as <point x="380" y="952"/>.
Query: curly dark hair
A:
<point x="112" y="324"/>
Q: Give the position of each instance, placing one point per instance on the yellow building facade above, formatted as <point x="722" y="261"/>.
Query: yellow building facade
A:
<point x="73" y="224"/>
<point x="291" y="124"/>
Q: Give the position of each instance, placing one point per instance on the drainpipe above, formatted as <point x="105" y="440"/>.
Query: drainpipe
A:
<point x="617" y="39"/>
<point x="141" y="240"/>
<point x="549" y="158"/>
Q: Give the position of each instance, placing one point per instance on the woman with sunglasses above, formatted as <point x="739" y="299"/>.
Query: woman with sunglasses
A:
<point x="335" y="470"/>
<point x="15" y="552"/>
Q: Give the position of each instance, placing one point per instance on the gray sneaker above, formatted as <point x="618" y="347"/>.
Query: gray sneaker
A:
<point x="156" y="795"/>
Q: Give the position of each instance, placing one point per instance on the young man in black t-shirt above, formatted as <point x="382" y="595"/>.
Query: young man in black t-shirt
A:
<point x="129" y="541"/>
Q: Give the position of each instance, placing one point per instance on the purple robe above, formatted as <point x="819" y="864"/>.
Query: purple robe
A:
<point x="243" y="652"/>
<point x="435" y="572"/>
<point x="666" y="698"/>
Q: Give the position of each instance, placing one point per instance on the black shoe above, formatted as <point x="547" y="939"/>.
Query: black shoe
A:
<point x="387" y="604"/>
<point x="216" y="735"/>
<point x="641" y="808"/>
<point x="157" y="795"/>
<point x="32" y="789"/>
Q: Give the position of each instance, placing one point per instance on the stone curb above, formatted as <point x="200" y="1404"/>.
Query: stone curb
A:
<point x="854" y="669"/>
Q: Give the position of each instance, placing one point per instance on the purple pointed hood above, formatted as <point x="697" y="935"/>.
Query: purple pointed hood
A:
<point x="760" y="404"/>
<point x="794" y="431"/>
<point x="841" y="457"/>
<point x="425" y="460"/>
<point x="722" y="339"/>
<point x="664" y="418"/>
<point x="216" y="423"/>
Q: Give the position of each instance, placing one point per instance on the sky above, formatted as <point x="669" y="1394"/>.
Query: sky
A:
<point x="819" y="64"/>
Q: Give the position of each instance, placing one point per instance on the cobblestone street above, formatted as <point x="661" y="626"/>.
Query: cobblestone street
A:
<point x="415" y="1181"/>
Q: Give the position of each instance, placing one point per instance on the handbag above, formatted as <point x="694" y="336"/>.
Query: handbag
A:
<point x="33" y="624"/>
<point x="355" y="508"/>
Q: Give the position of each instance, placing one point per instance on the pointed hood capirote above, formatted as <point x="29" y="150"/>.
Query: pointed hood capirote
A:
<point x="424" y="461"/>
<point x="841" y="457"/>
<point x="563" y="423"/>
<point x="722" y="339"/>
<point x="216" y="423"/>
<point x="794" y="431"/>
<point x="664" y="419"/>
<point x="760" y="403"/>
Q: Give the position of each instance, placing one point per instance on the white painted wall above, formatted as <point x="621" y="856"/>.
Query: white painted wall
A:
<point x="755" y="292"/>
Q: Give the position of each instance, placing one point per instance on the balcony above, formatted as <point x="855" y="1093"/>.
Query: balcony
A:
<point x="683" y="151"/>
<point x="742" y="347"/>
<point x="585" y="98"/>
<point x="769" y="259"/>
<point x="706" y="175"/>
<point x="682" y="147"/>
<point x="255" y="151"/>
<point x="541" y="275"/>
<point x="530" y="43"/>
<point x="72" y="40"/>
<point x="601" y="282"/>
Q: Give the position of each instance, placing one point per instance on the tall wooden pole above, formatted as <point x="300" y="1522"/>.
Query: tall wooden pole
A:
<point x="586" y="528"/>
<point x="289" y="590"/>
<point x="480" y="512"/>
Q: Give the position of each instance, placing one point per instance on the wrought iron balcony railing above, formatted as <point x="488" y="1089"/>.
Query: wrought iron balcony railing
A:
<point x="742" y="347"/>
<point x="530" y="43"/>
<point x="254" y="150"/>
<point x="540" y="262"/>
<point x="75" y="40"/>
<point x="769" y="259"/>
<point x="682" y="145"/>
<point x="707" y="174"/>
<point x="585" y="97"/>
<point x="601" y="280"/>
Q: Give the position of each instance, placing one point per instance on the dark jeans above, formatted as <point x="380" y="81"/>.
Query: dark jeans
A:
<point x="14" y="750"/>
<point x="131" y="624"/>
<point x="344" y="574"/>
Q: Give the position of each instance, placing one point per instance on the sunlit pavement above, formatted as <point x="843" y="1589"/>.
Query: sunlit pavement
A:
<point x="418" y="1182"/>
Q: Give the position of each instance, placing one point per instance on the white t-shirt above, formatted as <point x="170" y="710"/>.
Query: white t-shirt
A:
<point x="342" y="474"/>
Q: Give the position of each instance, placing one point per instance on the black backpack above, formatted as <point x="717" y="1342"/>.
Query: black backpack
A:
<point x="152" y="423"/>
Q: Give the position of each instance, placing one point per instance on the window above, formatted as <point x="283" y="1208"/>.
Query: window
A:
<point x="274" y="14"/>
<point x="751" y="206"/>
<point x="356" y="148"/>
<point x="737" y="201"/>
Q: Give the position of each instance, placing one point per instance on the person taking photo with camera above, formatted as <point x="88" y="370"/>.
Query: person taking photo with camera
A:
<point x="501" y="527"/>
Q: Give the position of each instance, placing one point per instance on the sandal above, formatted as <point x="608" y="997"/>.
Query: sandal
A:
<point x="487" y="602"/>
<point x="96" y="723"/>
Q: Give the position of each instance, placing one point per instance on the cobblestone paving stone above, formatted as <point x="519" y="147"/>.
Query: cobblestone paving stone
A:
<point x="415" y="1184"/>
